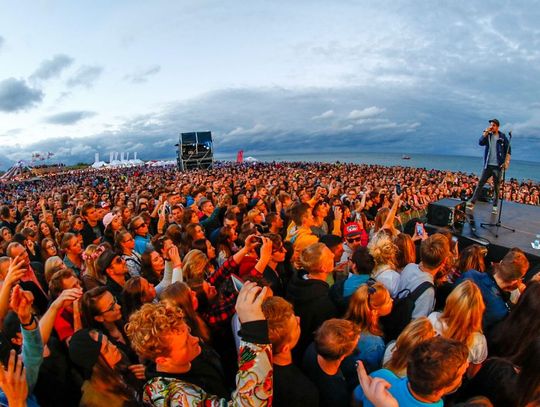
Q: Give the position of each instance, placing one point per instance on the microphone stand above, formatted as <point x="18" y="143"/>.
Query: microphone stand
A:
<point x="498" y="224"/>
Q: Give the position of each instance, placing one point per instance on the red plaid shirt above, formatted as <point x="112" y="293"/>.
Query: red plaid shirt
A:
<point x="224" y="308"/>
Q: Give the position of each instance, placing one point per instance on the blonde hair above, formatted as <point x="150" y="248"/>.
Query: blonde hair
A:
<point x="150" y="327"/>
<point x="312" y="257"/>
<point x="406" y="250"/>
<point x="418" y="331"/>
<point x="463" y="312"/>
<point x="252" y="213"/>
<point x="364" y="303"/>
<point x="277" y="312"/>
<point x="194" y="267"/>
<point x="52" y="265"/>
<point x="383" y="250"/>
<point x="90" y="260"/>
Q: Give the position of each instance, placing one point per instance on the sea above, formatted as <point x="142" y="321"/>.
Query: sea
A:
<point x="520" y="170"/>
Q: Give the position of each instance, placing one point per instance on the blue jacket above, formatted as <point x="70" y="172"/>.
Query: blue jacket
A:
<point x="497" y="307"/>
<point x="503" y="147"/>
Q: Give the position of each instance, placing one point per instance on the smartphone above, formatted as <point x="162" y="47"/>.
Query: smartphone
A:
<point x="238" y="283"/>
<point x="398" y="189"/>
<point x="454" y="239"/>
<point x="419" y="229"/>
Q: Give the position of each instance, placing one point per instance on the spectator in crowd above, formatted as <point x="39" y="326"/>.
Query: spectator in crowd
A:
<point x="335" y="339"/>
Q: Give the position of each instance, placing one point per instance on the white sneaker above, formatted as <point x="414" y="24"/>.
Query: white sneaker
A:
<point x="495" y="210"/>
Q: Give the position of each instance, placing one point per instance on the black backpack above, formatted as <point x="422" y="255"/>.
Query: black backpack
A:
<point x="402" y="309"/>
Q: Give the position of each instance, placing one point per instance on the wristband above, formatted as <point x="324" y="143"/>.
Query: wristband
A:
<point x="32" y="320"/>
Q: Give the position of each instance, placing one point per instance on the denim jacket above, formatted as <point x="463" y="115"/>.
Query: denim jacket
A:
<point x="502" y="146"/>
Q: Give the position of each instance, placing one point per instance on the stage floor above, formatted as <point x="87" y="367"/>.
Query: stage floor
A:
<point x="524" y="219"/>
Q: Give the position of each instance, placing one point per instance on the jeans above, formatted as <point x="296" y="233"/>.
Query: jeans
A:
<point x="490" y="171"/>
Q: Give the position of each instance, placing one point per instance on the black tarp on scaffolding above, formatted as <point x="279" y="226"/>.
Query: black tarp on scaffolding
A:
<point x="195" y="151"/>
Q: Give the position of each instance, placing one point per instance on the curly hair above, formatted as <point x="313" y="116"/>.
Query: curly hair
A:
<point x="149" y="329"/>
<point x="383" y="250"/>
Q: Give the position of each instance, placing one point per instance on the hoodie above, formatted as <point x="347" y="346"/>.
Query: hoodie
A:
<point x="312" y="304"/>
<point x="300" y="238"/>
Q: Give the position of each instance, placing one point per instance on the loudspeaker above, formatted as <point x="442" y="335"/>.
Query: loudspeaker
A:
<point x="445" y="212"/>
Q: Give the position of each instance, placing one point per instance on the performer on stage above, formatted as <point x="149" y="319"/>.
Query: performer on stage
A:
<point x="496" y="158"/>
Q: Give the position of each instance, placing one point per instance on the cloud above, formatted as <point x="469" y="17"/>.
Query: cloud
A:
<point x="326" y="115"/>
<point x="411" y="122"/>
<point x="142" y="76"/>
<point x="68" y="118"/>
<point x="85" y="76"/>
<point x="1" y="41"/>
<point x="365" y="113"/>
<point x="240" y="131"/>
<point x="51" y="68"/>
<point x="16" y="95"/>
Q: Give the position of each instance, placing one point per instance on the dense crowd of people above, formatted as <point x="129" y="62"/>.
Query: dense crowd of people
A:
<point x="282" y="283"/>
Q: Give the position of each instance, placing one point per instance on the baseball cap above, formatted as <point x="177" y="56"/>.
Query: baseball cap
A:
<point x="107" y="219"/>
<point x="495" y="121"/>
<point x="352" y="229"/>
<point x="104" y="260"/>
<point x="84" y="351"/>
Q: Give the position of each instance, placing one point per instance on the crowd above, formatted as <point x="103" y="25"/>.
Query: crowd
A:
<point x="283" y="283"/>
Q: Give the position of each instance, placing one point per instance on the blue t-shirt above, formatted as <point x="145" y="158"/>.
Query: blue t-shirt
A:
<point x="353" y="282"/>
<point x="398" y="388"/>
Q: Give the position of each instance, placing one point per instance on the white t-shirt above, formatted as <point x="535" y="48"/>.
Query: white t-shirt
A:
<point x="478" y="350"/>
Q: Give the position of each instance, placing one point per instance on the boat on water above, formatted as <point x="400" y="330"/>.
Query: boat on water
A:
<point x="405" y="157"/>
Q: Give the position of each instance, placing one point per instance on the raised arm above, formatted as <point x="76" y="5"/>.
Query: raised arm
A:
<point x="15" y="272"/>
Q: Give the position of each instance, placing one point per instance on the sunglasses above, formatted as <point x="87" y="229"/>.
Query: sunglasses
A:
<point x="354" y="239"/>
<point x="140" y="226"/>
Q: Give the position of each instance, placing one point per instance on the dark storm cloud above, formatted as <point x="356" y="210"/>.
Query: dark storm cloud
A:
<point x="85" y="76"/>
<point x="68" y="118"/>
<point x="51" y="68"/>
<point x="15" y="95"/>
<point x="142" y="75"/>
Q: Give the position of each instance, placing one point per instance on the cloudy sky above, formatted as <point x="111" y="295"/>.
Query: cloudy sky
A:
<point x="300" y="76"/>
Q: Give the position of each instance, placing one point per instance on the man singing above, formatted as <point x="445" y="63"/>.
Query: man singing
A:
<point x="496" y="158"/>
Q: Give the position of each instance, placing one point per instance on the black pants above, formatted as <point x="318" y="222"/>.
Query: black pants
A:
<point x="490" y="171"/>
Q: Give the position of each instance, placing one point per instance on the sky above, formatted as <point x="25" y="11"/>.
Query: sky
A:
<point x="86" y="77"/>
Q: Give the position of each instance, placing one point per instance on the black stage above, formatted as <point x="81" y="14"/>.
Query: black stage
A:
<point x="524" y="219"/>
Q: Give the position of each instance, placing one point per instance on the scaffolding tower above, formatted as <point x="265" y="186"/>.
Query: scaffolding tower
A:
<point x="195" y="151"/>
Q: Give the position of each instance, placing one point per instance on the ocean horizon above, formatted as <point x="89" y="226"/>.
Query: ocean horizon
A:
<point x="521" y="170"/>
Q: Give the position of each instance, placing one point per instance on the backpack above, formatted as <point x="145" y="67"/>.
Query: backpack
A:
<point x="402" y="309"/>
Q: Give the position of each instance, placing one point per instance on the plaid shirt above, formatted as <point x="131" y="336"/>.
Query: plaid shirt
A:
<point x="223" y="309"/>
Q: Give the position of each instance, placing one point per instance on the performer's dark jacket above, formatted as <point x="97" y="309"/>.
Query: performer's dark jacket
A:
<point x="502" y="146"/>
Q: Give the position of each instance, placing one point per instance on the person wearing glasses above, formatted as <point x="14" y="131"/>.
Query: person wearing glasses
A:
<point x="139" y="230"/>
<point x="114" y="267"/>
<point x="125" y="244"/>
<point x="355" y="236"/>
<point x="100" y="310"/>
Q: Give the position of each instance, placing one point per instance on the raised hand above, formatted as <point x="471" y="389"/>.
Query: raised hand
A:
<point x="67" y="297"/>
<point x="21" y="303"/>
<point x="252" y="241"/>
<point x="248" y="303"/>
<point x="13" y="381"/>
<point x="16" y="270"/>
<point x="375" y="389"/>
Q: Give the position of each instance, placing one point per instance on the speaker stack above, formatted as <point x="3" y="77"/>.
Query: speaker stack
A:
<point x="446" y="212"/>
